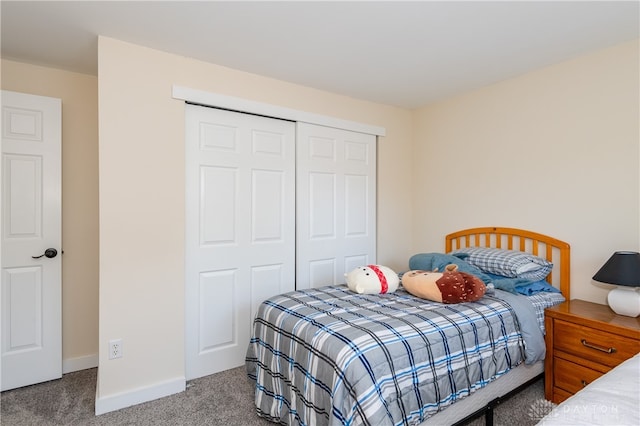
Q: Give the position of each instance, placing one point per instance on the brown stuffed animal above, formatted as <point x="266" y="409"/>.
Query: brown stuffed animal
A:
<point x="449" y="286"/>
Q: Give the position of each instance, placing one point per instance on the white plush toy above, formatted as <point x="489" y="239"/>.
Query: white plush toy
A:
<point x="372" y="279"/>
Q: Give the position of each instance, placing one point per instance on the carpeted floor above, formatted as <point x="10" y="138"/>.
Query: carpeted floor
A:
<point x="221" y="399"/>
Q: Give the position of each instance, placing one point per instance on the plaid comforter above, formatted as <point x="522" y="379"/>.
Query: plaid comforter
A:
<point x="330" y="356"/>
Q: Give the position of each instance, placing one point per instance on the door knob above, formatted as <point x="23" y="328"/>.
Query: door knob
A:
<point x="50" y="253"/>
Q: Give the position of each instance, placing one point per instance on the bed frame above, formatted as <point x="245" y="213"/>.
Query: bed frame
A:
<point x="556" y="251"/>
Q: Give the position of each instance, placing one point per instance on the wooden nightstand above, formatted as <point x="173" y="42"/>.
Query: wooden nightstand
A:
<point x="584" y="340"/>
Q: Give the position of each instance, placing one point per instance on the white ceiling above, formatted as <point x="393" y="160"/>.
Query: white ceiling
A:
<point x="399" y="53"/>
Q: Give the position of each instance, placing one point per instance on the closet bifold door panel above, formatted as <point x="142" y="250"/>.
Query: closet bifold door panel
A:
<point x="240" y="229"/>
<point x="335" y="204"/>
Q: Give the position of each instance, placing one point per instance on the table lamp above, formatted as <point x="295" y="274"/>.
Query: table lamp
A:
<point x="622" y="269"/>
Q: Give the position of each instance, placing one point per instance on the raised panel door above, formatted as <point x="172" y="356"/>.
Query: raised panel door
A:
<point x="31" y="296"/>
<point x="240" y="229"/>
<point x="335" y="203"/>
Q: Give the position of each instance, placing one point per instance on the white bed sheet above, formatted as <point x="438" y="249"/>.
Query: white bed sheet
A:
<point x="612" y="399"/>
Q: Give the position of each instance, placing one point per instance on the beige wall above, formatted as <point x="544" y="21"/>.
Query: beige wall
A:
<point x="79" y="94"/>
<point x="555" y="151"/>
<point x="142" y="191"/>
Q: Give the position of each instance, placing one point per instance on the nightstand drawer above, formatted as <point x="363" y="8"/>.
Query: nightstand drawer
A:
<point x="572" y="377"/>
<point x="604" y="348"/>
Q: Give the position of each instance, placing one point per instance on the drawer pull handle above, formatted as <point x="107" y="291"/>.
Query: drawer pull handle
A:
<point x="596" y="347"/>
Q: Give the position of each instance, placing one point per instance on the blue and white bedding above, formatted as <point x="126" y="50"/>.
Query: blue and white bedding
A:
<point x="330" y="356"/>
<point x="493" y="266"/>
<point x="542" y="301"/>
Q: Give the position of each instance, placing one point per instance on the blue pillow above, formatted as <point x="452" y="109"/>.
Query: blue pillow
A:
<point x="536" y="287"/>
<point x="521" y="285"/>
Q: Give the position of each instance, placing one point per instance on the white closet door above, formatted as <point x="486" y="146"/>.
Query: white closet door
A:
<point x="335" y="202"/>
<point x="240" y="229"/>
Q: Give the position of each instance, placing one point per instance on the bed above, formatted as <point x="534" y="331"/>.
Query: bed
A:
<point x="331" y="356"/>
<point x="612" y="399"/>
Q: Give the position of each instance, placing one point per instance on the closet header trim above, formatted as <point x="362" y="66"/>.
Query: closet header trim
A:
<point x="253" y="107"/>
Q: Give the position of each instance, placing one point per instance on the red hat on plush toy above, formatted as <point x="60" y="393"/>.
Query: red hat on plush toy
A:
<point x="449" y="286"/>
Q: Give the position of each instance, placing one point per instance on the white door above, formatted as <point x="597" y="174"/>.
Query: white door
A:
<point x="240" y="229"/>
<point x="335" y="203"/>
<point x="31" y="223"/>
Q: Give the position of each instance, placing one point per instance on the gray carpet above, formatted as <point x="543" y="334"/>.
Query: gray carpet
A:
<point x="220" y="399"/>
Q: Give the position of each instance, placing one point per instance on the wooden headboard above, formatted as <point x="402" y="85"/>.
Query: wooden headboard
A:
<point x="555" y="251"/>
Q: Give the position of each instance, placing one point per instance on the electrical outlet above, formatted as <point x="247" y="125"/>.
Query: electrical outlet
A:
<point x="115" y="348"/>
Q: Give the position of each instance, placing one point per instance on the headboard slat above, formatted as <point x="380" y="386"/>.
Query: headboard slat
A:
<point x="556" y="251"/>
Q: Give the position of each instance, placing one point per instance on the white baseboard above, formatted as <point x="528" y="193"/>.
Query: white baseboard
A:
<point x="70" y="365"/>
<point x="121" y="400"/>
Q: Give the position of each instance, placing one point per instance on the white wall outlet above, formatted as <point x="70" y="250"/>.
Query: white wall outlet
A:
<point x="115" y="348"/>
